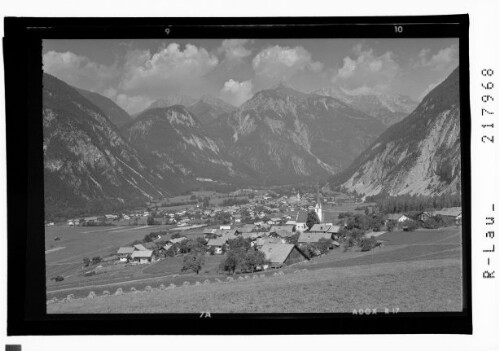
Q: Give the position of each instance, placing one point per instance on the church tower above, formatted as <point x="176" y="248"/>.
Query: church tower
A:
<point x="318" y="206"/>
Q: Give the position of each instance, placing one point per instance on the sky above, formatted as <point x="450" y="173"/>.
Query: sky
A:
<point x="135" y="73"/>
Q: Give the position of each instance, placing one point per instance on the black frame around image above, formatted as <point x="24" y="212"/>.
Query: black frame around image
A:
<point x="25" y="187"/>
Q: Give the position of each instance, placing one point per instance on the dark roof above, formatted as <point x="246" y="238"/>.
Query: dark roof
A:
<point x="277" y="253"/>
<point x="301" y="216"/>
<point x="220" y="241"/>
<point x="142" y="254"/>
<point x="283" y="233"/>
<point x="126" y="250"/>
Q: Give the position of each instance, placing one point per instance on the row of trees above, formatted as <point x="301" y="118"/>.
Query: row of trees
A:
<point x="405" y="203"/>
<point x="242" y="257"/>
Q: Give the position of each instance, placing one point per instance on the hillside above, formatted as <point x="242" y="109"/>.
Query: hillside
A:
<point x="116" y="114"/>
<point x="418" y="155"/>
<point x="286" y="136"/>
<point x="88" y="166"/>
<point x="176" y="138"/>
<point x="209" y="108"/>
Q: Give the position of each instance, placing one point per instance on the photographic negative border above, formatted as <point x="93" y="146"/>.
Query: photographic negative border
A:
<point x="25" y="197"/>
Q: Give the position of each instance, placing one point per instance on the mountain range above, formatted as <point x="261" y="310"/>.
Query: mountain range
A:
<point x="419" y="155"/>
<point x="88" y="165"/>
<point x="98" y="156"/>
<point x="387" y="108"/>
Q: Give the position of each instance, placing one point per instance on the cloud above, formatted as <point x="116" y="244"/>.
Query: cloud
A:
<point x="367" y="71"/>
<point x="234" y="50"/>
<point x="170" y="67"/>
<point x="78" y="71"/>
<point x="133" y="104"/>
<point x="236" y="93"/>
<point x="278" y="63"/>
<point x="443" y="59"/>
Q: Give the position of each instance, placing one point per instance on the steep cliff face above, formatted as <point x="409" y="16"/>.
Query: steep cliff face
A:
<point x="419" y="155"/>
<point x="87" y="164"/>
<point x="287" y="136"/>
<point x="387" y="108"/>
<point x="176" y="138"/>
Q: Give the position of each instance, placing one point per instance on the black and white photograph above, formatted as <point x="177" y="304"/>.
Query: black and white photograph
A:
<point x="266" y="175"/>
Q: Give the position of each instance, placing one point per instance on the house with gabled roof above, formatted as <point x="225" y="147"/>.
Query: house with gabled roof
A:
<point x="301" y="221"/>
<point x="125" y="252"/>
<point x="142" y="256"/>
<point x="280" y="255"/>
<point x="450" y="215"/>
<point x="139" y="247"/>
<point x="217" y="244"/>
<point x="397" y="217"/>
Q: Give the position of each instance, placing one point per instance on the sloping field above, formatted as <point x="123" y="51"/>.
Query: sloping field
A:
<point x="433" y="285"/>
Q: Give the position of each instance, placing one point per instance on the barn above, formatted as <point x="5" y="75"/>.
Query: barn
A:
<point x="282" y="254"/>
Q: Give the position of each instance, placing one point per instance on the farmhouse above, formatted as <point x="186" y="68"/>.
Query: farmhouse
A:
<point x="301" y="221"/>
<point x="142" y="256"/>
<point x="217" y="244"/>
<point x="282" y="254"/>
<point x="124" y="253"/>
<point x="397" y="217"/>
<point x="424" y="216"/>
<point x="450" y="215"/>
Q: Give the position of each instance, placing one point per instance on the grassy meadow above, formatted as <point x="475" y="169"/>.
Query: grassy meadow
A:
<point x="414" y="271"/>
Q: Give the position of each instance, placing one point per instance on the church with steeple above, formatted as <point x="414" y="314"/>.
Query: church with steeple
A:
<point x="318" y="206"/>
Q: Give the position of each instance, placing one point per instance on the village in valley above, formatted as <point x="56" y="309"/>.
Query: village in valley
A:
<point x="219" y="237"/>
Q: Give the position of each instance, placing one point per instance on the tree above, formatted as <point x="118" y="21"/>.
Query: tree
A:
<point x="323" y="245"/>
<point x="206" y="202"/>
<point x="232" y="262"/>
<point x="193" y="262"/>
<point x="86" y="261"/>
<point x="151" y="221"/>
<point x="368" y="244"/>
<point x="252" y="259"/>
<point x="96" y="260"/>
<point x="239" y="243"/>
<point x="312" y="218"/>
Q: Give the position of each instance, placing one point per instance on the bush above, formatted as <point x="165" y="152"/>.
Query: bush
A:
<point x="368" y="244"/>
<point x="119" y="291"/>
<point x="91" y="295"/>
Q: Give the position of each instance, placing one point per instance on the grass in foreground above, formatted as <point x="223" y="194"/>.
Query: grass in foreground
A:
<point x="433" y="285"/>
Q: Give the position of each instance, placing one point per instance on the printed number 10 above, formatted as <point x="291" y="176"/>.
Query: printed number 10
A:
<point x="398" y="29"/>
